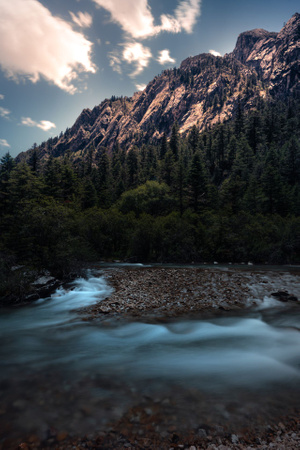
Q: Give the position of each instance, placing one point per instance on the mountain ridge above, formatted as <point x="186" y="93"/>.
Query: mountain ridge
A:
<point x="203" y="91"/>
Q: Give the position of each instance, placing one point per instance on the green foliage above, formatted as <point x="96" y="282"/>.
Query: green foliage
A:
<point x="231" y="193"/>
<point x="150" y="198"/>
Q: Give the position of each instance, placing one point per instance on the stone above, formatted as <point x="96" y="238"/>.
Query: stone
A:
<point x="201" y="433"/>
<point x="234" y="439"/>
<point x="61" y="436"/>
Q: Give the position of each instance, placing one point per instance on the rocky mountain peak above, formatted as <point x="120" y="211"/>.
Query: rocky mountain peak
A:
<point x="247" y="40"/>
<point x="274" y="56"/>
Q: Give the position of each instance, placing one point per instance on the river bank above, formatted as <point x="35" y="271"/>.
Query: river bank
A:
<point x="151" y="365"/>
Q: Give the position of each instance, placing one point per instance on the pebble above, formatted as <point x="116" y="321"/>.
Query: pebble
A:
<point x="234" y="439"/>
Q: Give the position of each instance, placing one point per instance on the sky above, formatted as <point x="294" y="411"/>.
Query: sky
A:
<point x="58" y="57"/>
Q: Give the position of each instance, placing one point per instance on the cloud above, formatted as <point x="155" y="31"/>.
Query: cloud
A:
<point x="140" y="87"/>
<point x="4" y="112"/>
<point x="136" y="19"/>
<point x="115" y="62"/>
<point x="1" y="97"/>
<point x="186" y="14"/>
<point x="134" y="16"/>
<point x="136" y="53"/>
<point x="83" y="20"/>
<point x="164" y="57"/>
<point x="44" y="125"/>
<point x="213" y="52"/>
<point x="4" y="143"/>
<point x="35" y="44"/>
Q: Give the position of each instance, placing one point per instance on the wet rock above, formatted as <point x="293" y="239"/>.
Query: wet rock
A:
<point x="284" y="296"/>
<point x="234" y="439"/>
<point x="23" y="446"/>
<point x="201" y="433"/>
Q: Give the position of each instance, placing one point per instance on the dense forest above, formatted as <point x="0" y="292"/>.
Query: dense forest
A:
<point x="229" y="194"/>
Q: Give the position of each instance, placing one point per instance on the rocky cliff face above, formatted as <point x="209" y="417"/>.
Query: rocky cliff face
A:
<point x="275" y="56"/>
<point x="203" y="91"/>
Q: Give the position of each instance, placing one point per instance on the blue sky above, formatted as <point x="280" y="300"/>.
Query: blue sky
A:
<point x="58" y="57"/>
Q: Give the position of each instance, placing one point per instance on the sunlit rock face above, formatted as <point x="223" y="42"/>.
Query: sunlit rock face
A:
<point x="203" y="91"/>
<point x="276" y="57"/>
<point x="247" y="42"/>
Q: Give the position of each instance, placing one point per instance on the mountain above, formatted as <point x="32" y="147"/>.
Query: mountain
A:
<point x="203" y="91"/>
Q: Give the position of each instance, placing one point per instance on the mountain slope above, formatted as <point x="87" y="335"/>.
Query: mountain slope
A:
<point x="203" y="91"/>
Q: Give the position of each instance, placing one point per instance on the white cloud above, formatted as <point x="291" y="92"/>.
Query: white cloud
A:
<point x="215" y="53"/>
<point x="134" y="16"/>
<point x="4" y="143"/>
<point x="1" y="97"/>
<point x="136" y="19"/>
<point x="164" y="57"/>
<point x="186" y="14"/>
<point x="83" y="19"/>
<point x="140" y="87"/>
<point x="136" y="53"/>
<point x="45" y="125"/>
<point x="4" y="112"/>
<point x="115" y="62"/>
<point x="35" y="44"/>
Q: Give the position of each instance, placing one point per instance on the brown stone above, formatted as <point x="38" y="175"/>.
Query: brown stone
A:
<point x="61" y="436"/>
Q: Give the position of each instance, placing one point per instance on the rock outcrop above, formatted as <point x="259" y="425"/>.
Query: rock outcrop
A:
<point x="275" y="56"/>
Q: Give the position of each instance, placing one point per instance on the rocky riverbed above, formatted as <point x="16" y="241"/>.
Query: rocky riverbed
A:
<point x="97" y="411"/>
<point x="162" y="293"/>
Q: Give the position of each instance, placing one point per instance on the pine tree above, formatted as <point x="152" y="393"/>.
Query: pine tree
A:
<point x="163" y="146"/>
<point x="291" y="162"/>
<point x="197" y="181"/>
<point x="175" y="141"/>
<point x="131" y="164"/>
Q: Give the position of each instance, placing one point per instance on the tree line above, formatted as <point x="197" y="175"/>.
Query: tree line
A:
<point x="229" y="194"/>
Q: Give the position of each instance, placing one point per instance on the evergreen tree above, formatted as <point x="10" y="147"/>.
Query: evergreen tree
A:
<point x="175" y="141"/>
<point x="52" y="177"/>
<point x="167" y="168"/>
<point x="272" y="184"/>
<point x="243" y="163"/>
<point x="291" y="161"/>
<point x="23" y="185"/>
<point x="7" y="163"/>
<point x="194" y="139"/>
<point x="131" y="164"/>
<point x="197" y="181"/>
<point x="104" y="178"/>
<point x="88" y="194"/>
<point x="163" y="146"/>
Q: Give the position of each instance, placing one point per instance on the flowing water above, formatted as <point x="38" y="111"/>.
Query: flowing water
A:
<point x="60" y="372"/>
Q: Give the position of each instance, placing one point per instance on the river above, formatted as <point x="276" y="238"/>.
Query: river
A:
<point x="61" y="373"/>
